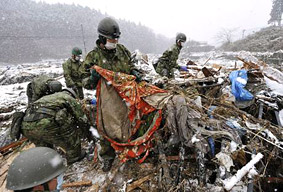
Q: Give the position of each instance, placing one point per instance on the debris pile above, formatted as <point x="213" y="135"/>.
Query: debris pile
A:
<point x="221" y="130"/>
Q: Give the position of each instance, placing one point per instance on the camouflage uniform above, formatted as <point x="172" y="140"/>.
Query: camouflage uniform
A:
<point x="168" y="61"/>
<point x="118" y="60"/>
<point x="73" y="75"/>
<point x="53" y="120"/>
<point x="38" y="88"/>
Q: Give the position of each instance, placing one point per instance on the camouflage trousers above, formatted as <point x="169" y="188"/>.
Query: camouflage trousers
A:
<point x="106" y="151"/>
<point x="163" y="71"/>
<point x="47" y="132"/>
<point x="80" y="92"/>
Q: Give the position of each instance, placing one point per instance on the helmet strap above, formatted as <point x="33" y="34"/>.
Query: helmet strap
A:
<point x="46" y="187"/>
<point x="102" y="39"/>
<point x="178" y="42"/>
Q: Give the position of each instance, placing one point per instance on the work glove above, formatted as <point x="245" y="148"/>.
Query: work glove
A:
<point x="183" y="68"/>
<point x="94" y="77"/>
<point x="137" y="74"/>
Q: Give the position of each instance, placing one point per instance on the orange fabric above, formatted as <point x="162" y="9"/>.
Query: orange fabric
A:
<point x="132" y="93"/>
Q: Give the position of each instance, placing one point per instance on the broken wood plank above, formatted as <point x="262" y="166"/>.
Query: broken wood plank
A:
<point x="274" y="179"/>
<point x="77" y="184"/>
<point x="206" y="72"/>
<point x="93" y="188"/>
<point x="137" y="183"/>
<point x="12" y="145"/>
<point x="173" y="158"/>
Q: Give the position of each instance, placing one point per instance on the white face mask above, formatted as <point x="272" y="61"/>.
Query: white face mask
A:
<point x="77" y="58"/>
<point x="110" y="46"/>
<point x="182" y="43"/>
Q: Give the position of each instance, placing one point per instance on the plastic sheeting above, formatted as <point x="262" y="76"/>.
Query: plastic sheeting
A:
<point x="239" y="80"/>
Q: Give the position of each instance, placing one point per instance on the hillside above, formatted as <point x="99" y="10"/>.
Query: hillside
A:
<point x="267" y="39"/>
<point x="31" y="31"/>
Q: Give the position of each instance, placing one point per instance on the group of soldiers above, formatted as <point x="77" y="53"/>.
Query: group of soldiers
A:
<point x="54" y="116"/>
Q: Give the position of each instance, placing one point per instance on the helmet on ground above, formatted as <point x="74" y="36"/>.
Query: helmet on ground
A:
<point x="71" y="91"/>
<point x="34" y="167"/>
<point x="181" y="37"/>
<point x="108" y="28"/>
<point x="76" y="51"/>
<point x="54" y="86"/>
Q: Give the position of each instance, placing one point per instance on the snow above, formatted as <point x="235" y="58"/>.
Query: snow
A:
<point x="11" y="93"/>
<point x="195" y="139"/>
<point x="276" y="87"/>
<point x="94" y="132"/>
<point x="241" y="80"/>
<point x="230" y="182"/>
<point x="16" y="93"/>
<point x="233" y="146"/>
<point x="55" y="161"/>
<point x="225" y="160"/>
<point x="265" y="133"/>
<point x="281" y="116"/>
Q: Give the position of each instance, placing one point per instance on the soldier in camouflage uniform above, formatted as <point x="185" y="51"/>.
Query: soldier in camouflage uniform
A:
<point x="110" y="55"/>
<point x="41" y="86"/>
<point x="168" y="61"/>
<point x="73" y="72"/>
<point x="53" y="120"/>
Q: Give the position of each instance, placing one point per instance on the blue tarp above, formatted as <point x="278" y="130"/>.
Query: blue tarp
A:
<point x="239" y="80"/>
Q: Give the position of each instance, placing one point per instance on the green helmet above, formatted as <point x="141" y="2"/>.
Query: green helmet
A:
<point x="181" y="37"/>
<point x="34" y="167"/>
<point x="108" y="28"/>
<point x="54" y="86"/>
<point x="76" y="51"/>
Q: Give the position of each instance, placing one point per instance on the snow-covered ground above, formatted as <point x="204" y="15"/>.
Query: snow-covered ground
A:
<point x="14" y="80"/>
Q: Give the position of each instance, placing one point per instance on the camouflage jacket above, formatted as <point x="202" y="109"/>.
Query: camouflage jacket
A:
<point x="118" y="60"/>
<point x="38" y="88"/>
<point x="168" y="61"/>
<point x="73" y="73"/>
<point x="58" y="105"/>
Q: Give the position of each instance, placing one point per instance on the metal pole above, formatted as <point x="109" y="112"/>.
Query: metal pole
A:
<point x="83" y="37"/>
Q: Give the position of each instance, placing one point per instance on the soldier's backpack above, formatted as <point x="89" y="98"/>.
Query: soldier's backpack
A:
<point x="38" y="88"/>
<point x="16" y="125"/>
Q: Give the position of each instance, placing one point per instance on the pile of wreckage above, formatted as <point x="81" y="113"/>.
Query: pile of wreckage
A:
<point x="221" y="130"/>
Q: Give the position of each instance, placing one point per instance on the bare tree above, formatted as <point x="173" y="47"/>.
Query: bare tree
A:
<point x="226" y="36"/>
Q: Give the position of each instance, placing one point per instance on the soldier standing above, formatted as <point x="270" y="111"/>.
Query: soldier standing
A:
<point x="110" y="55"/>
<point x="73" y="72"/>
<point x="168" y="61"/>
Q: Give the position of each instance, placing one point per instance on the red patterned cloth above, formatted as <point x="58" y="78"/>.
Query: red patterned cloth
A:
<point x="132" y="93"/>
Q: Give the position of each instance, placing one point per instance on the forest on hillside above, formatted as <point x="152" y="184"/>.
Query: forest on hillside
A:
<point x="31" y="31"/>
<point x="267" y="39"/>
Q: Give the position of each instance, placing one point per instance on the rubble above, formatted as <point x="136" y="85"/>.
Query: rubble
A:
<point x="207" y="141"/>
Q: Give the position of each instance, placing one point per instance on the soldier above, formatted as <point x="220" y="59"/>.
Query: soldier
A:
<point x="36" y="169"/>
<point x="111" y="55"/>
<point x="168" y="61"/>
<point x="73" y="72"/>
<point x="37" y="88"/>
<point x="108" y="53"/>
<point x="41" y="86"/>
<point x="53" y="120"/>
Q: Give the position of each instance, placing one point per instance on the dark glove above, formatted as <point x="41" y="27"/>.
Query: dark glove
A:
<point x="94" y="77"/>
<point x="137" y="74"/>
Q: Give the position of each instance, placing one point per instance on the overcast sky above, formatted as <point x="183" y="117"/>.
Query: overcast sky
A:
<point x="199" y="19"/>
